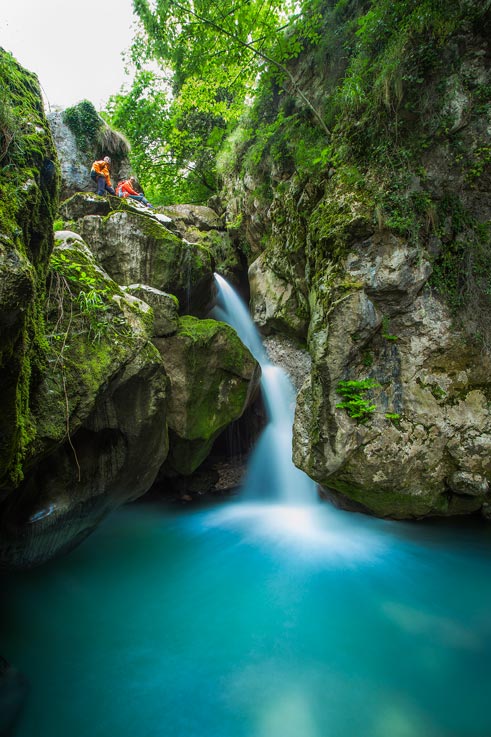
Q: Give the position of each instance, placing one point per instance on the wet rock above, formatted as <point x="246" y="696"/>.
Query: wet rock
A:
<point x="275" y="305"/>
<point x="213" y="378"/>
<point x="284" y="352"/>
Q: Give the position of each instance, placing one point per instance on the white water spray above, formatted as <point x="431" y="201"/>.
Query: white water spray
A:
<point x="271" y="474"/>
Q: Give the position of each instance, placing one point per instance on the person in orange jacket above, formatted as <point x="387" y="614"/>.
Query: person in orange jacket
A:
<point x="127" y="189"/>
<point x="100" y="173"/>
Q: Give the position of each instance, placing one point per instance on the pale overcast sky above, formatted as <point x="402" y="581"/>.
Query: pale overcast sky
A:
<point x="74" y="47"/>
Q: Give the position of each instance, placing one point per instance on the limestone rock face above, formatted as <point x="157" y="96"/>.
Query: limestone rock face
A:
<point x="274" y="302"/>
<point x="200" y="224"/>
<point x="29" y="191"/>
<point x="424" y="449"/>
<point x="189" y="217"/>
<point x="75" y="165"/>
<point x="213" y="378"/>
<point x="76" y="161"/>
<point x="165" y="308"/>
<point x="285" y="352"/>
<point x="379" y="261"/>
<point x="134" y="247"/>
<point x="99" y="412"/>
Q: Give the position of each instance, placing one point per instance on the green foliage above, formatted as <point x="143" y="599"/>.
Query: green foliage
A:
<point x="209" y="56"/>
<point x="355" y="403"/>
<point x="85" y="123"/>
<point x="10" y="122"/>
<point x="463" y="268"/>
<point x="481" y="160"/>
<point x="72" y="281"/>
<point x="385" y="330"/>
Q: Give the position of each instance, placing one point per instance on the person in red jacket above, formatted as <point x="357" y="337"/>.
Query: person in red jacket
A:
<point x="127" y="189"/>
<point x="100" y="173"/>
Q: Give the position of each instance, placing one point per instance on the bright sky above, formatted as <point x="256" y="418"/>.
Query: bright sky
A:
<point x="74" y="47"/>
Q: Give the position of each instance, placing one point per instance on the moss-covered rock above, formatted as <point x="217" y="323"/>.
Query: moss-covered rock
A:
<point x="84" y="204"/>
<point x="28" y="200"/>
<point x="194" y="217"/>
<point x="275" y="304"/>
<point x="99" y="411"/>
<point x="135" y="247"/>
<point x="199" y="224"/>
<point x="213" y="378"/>
<point x="165" y="308"/>
<point x="380" y="232"/>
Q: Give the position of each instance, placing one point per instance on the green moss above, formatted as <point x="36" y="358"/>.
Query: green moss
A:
<point x="394" y="504"/>
<point x="211" y="374"/>
<point x="204" y="333"/>
<point x="85" y="124"/>
<point x="29" y="185"/>
<point x="88" y="343"/>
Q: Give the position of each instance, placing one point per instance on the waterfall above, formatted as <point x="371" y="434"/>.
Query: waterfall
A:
<point x="271" y="476"/>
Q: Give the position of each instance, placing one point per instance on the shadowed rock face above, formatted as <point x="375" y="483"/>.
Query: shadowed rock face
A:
<point x="113" y="458"/>
<point x="100" y="413"/>
<point x="200" y="224"/>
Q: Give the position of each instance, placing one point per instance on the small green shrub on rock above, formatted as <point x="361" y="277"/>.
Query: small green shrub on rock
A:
<point x="84" y="122"/>
<point x="355" y="404"/>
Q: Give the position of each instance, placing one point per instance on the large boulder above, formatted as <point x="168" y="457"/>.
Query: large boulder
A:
<point x="165" y="308"/>
<point x="135" y="247"/>
<point x="29" y="192"/>
<point x="190" y="218"/>
<point x="275" y="303"/>
<point x="415" y="440"/>
<point x="81" y="136"/>
<point x="213" y="378"/>
<point x="99" y="412"/>
<point x="201" y="224"/>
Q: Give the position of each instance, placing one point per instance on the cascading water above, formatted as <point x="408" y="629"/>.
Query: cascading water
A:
<point x="256" y="619"/>
<point x="271" y="474"/>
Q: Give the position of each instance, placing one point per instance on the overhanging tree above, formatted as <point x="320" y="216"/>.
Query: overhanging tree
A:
<point x="213" y="53"/>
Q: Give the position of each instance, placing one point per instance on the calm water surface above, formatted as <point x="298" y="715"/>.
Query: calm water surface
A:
<point x="253" y="620"/>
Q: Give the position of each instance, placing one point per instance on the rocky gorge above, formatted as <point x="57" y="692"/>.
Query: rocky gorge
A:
<point x="369" y="275"/>
<point x="111" y="374"/>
